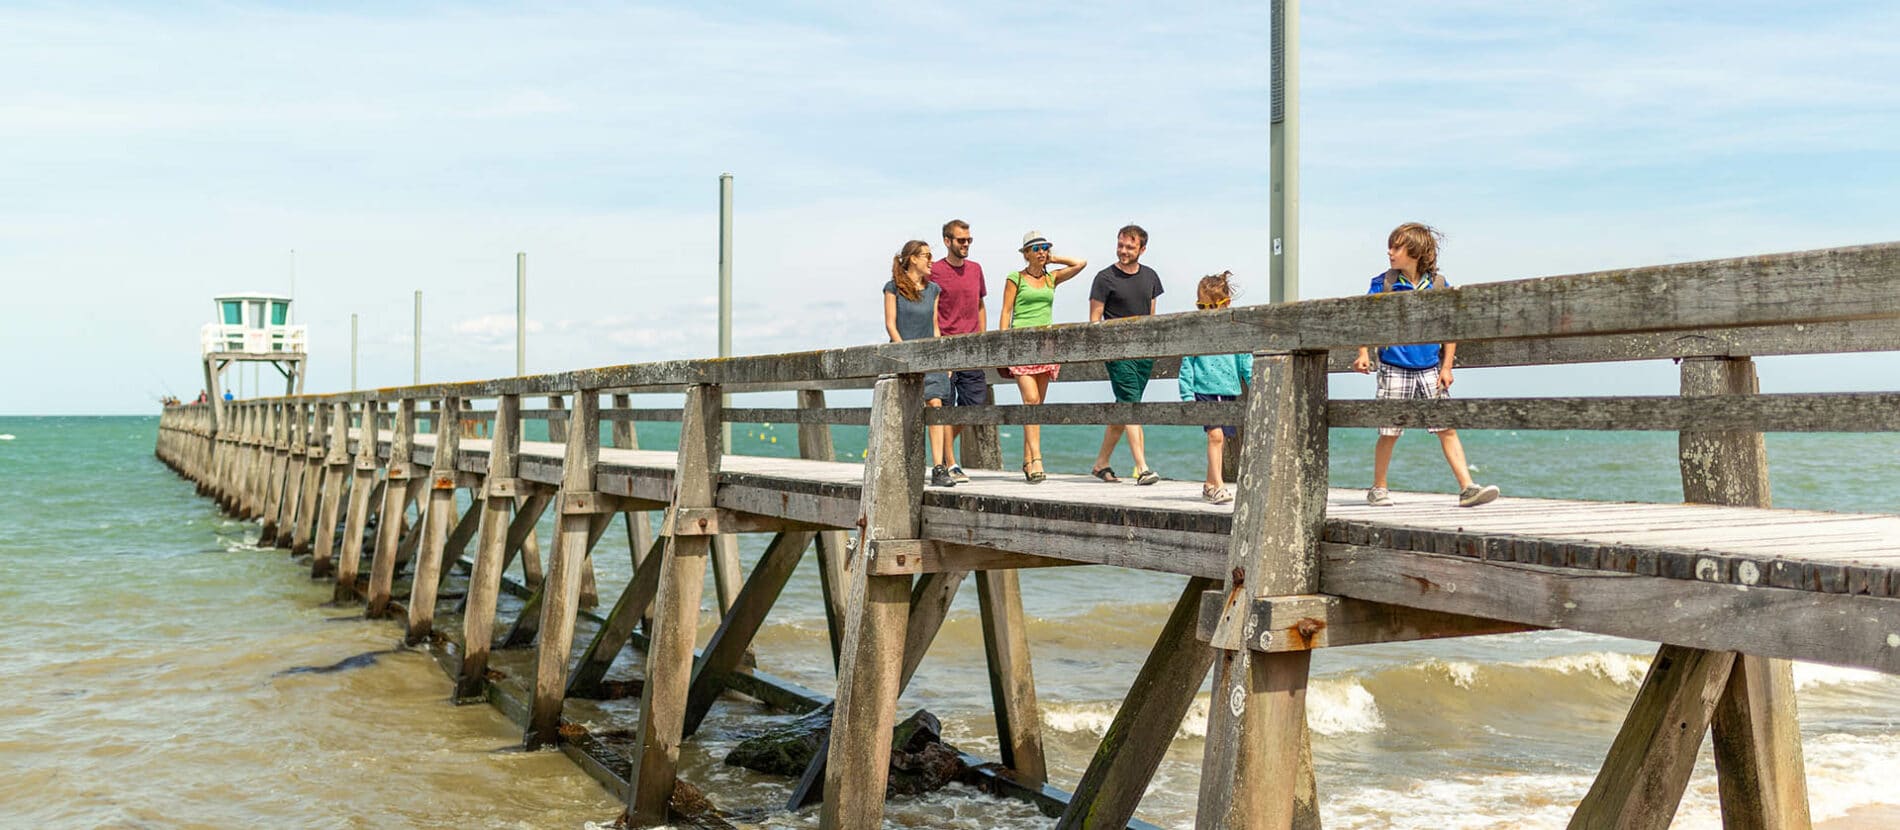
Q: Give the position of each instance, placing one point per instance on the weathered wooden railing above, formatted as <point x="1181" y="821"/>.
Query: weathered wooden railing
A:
<point x="287" y="461"/>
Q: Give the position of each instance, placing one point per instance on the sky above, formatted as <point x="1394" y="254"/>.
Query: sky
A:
<point x="160" y="154"/>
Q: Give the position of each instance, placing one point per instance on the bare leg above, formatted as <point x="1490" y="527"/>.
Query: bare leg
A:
<point x="1137" y="447"/>
<point x="1216" y="444"/>
<point x="1110" y="436"/>
<point x="1032" y="388"/>
<point x="1382" y="458"/>
<point x="951" y="435"/>
<point x="940" y="438"/>
<point x="1455" y="456"/>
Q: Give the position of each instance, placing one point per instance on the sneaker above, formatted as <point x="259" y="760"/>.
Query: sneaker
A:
<point x="1475" y="495"/>
<point x="1146" y="477"/>
<point x="956" y="474"/>
<point x="1379" y="497"/>
<point x="940" y="477"/>
<point x="1216" y="495"/>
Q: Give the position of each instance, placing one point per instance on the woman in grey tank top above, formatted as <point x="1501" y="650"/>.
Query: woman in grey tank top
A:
<point x="910" y="313"/>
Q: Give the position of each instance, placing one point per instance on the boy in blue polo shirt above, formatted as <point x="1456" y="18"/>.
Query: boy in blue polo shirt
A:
<point x="1418" y="371"/>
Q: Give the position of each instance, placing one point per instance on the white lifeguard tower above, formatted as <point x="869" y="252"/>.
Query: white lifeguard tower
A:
<point x="252" y="326"/>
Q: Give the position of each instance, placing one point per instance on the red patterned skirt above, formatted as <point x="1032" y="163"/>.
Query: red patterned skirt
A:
<point x="1050" y="369"/>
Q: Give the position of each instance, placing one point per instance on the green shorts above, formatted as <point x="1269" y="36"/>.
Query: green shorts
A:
<point x="1129" y="378"/>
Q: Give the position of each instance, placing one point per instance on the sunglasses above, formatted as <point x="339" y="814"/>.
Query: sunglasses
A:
<point x="1215" y="304"/>
<point x="1038" y="248"/>
<point x="960" y="240"/>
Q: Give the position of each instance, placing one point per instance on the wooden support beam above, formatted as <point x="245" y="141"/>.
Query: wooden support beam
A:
<point x="271" y="467"/>
<point x="726" y="650"/>
<point x="1757" y="736"/>
<point x="1012" y="680"/>
<point x="1641" y="781"/>
<point x="438" y="519"/>
<point x="1138" y="737"/>
<point x="484" y="579"/>
<point x="336" y="480"/>
<point x="561" y="591"/>
<point x="362" y="487"/>
<point x="639" y="529"/>
<point x="930" y="599"/>
<point x="618" y="629"/>
<point x="1842" y="629"/>
<point x="1758" y="757"/>
<point x="527" y="625"/>
<point x="1303" y="622"/>
<point x="310" y="505"/>
<point x="896" y="557"/>
<point x="669" y="662"/>
<point x="456" y="546"/>
<point x="402" y="482"/>
<point x="859" y="757"/>
<point x="715" y="521"/>
<point x="1252" y="767"/>
<point x="814" y="443"/>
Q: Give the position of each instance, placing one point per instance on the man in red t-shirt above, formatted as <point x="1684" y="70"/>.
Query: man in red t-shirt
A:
<point x="960" y="311"/>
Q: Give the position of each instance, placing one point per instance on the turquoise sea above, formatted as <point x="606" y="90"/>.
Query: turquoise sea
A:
<point x="150" y="640"/>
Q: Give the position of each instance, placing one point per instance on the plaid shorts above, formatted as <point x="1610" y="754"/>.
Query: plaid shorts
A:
<point x="1397" y="383"/>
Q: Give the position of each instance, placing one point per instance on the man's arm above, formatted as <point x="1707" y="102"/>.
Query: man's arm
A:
<point x="982" y="316"/>
<point x="1095" y="311"/>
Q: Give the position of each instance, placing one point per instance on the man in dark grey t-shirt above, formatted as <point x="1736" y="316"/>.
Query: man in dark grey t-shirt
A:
<point x="1125" y="289"/>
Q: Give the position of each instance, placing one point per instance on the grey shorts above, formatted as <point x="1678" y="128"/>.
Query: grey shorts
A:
<point x="937" y="387"/>
<point x="1397" y="383"/>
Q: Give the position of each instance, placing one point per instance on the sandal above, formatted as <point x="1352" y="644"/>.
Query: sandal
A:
<point x="1036" y="477"/>
<point x="1147" y="477"/>
<point x="1106" y="474"/>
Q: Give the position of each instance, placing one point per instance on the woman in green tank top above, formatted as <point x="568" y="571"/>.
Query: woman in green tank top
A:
<point x="1029" y="298"/>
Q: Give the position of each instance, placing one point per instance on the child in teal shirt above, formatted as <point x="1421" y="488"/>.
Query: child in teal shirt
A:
<point x="1221" y="377"/>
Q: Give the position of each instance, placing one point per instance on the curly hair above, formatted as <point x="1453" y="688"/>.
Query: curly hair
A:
<point x="1420" y="241"/>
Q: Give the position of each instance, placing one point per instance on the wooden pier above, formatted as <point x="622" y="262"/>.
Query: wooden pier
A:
<point x="1732" y="588"/>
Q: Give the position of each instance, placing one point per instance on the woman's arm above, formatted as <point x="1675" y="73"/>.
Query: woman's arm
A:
<point x="1445" y="357"/>
<point x="1009" y="304"/>
<point x="936" y="328"/>
<point x="1070" y="267"/>
<point x="890" y="317"/>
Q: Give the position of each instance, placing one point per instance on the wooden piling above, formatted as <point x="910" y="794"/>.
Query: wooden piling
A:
<point x="579" y="504"/>
<point x="336" y="481"/>
<point x="669" y="661"/>
<point x="499" y="489"/>
<point x="1757" y="737"/>
<point x="401" y="480"/>
<point x="1012" y="681"/>
<point x="859" y="757"/>
<point x="362" y="487"/>
<point x="814" y="443"/>
<point x="310" y="504"/>
<point x="438" y="516"/>
<point x="1257" y="719"/>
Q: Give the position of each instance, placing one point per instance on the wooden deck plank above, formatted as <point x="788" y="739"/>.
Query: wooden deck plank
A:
<point x="1167" y="528"/>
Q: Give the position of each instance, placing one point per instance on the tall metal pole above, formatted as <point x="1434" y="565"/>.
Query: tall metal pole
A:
<point x="352" y="353"/>
<point x="725" y="278"/>
<point x="521" y="313"/>
<point x="1283" y="270"/>
<point x="418" y="339"/>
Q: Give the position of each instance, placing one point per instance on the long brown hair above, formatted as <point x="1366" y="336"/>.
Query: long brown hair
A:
<point x="1420" y="241"/>
<point x="900" y="270"/>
